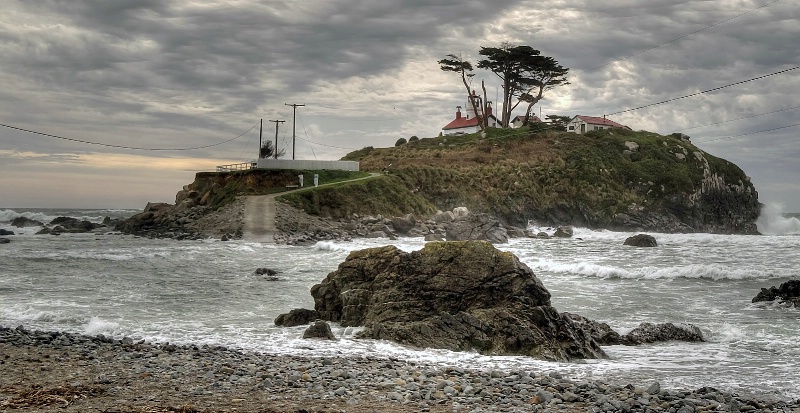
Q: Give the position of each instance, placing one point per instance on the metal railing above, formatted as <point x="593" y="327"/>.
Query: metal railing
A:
<point x="237" y="167"/>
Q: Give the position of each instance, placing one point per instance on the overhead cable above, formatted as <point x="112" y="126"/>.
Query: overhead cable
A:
<point x="123" y="146"/>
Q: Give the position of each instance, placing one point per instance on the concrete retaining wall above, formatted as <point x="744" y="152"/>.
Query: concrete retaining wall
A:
<point x="307" y="165"/>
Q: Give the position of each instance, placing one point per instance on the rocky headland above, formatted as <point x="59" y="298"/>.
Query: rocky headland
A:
<point x="613" y="179"/>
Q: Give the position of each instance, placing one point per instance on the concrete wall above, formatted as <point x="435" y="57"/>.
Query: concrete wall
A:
<point x="307" y="165"/>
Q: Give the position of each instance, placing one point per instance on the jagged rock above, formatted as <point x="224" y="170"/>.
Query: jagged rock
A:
<point x="4" y="240"/>
<point x="564" y="232"/>
<point x="460" y="212"/>
<point x="433" y="237"/>
<point x="453" y="295"/>
<point x="600" y="332"/>
<point x="319" y="329"/>
<point x="477" y="227"/>
<point x="22" y="222"/>
<point x="788" y="292"/>
<point x="70" y="224"/>
<point x="443" y="217"/>
<point x="6" y="232"/>
<point x="296" y="317"/>
<point x="652" y="333"/>
<point x="641" y="240"/>
<point x="265" y="271"/>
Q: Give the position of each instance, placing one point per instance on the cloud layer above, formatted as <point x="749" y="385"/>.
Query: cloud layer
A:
<point x="180" y="74"/>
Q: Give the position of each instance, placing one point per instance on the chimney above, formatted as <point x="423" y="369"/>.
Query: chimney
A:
<point x="458" y="112"/>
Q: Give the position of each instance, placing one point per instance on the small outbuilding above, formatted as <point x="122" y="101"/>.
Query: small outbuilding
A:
<point x="581" y="124"/>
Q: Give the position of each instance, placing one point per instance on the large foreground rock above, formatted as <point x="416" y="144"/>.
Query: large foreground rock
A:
<point x="454" y="295"/>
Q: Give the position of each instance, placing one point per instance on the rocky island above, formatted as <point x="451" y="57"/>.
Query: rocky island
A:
<point x="613" y="179"/>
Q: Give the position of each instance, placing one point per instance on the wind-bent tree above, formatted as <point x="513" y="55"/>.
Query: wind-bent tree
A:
<point x="268" y="151"/>
<point x="464" y="68"/>
<point x="558" y="122"/>
<point x="525" y="74"/>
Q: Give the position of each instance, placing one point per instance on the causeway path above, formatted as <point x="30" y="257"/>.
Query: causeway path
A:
<point x="260" y="211"/>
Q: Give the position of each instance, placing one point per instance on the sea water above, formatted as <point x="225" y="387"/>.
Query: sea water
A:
<point x="206" y="292"/>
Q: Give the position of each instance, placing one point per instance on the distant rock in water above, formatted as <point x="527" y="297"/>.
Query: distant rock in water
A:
<point x="464" y="295"/>
<point x="788" y="292"/>
<point x="266" y="271"/>
<point x="70" y="224"/>
<point x="6" y="232"/>
<point x="641" y="240"/>
<point x="563" y="232"/>
<point x="296" y="317"/>
<point x="22" y="222"/>
<point x="654" y="333"/>
<point x="4" y="240"/>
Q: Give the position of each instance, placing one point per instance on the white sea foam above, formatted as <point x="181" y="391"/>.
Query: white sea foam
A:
<point x="97" y="325"/>
<point x="772" y="222"/>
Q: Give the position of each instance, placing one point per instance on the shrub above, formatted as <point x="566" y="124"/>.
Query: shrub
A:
<point x="401" y="141"/>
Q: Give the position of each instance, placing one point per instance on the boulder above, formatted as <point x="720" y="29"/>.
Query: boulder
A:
<point x="477" y="227"/>
<point x="641" y="240"/>
<point x="454" y="295"/>
<point x="403" y="224"/>
<point x="460" y="212"/>
<point x="22" y="222"/>
<point x="653" y="333"/>
<point x="319" y="329"/>
<point x="296" y="317"/>
<point x="6" y="232"/>
<point x="4" y="240"/>
<point x="788" y="292"/>
<point x="600" y="332"/>
<point x="563" y="232"/>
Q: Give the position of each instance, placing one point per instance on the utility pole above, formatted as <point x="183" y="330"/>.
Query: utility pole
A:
<point x="294" y="122"/>
<point x="260" y="129"/>
<point x="276" y="136"/>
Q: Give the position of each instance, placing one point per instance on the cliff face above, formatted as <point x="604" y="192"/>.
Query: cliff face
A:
<point x="613" y="179"/>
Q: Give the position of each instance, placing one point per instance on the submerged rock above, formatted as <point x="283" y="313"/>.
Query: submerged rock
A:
<point x="4" y="240"/>
<point x="454" y="295"/>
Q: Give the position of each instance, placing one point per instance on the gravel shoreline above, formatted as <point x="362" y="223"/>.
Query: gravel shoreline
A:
<point x="54" y="371"/>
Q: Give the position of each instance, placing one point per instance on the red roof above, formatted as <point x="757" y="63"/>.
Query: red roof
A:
<point x="459" y="123"/>
<point x="595" y="120"/>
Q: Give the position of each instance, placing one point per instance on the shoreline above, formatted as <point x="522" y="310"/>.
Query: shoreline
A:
<point x="49" y="371"/>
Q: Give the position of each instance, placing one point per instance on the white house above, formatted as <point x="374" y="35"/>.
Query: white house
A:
<point x="517" y="121"/>
<point x="581" y="124"/>
<point x="470" y="123"/>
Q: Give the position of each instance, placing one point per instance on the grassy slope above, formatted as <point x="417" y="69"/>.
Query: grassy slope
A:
<point x="517" y="175"/>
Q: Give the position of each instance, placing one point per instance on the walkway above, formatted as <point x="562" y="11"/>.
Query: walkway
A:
<point x="259" y="214"/>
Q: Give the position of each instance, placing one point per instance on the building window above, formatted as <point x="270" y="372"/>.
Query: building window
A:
<point x="571" y="127"/>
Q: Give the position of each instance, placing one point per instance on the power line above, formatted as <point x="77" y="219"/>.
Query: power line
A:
<point x="123" y="146"/>
<point x="749" y="133"/>
<point x="705" y="91"/>
<point x="679" y="38"/>
<point x="732" y="120"/>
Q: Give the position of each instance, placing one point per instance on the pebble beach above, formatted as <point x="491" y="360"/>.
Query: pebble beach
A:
<point x="55" y="371"/>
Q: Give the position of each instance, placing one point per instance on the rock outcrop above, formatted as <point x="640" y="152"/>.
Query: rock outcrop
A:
<point x="6" y="232"/>
<point x="22" y="222"/>
<point x="641" y="240"/>
<point x="474" y="227"/>
<point x="463" y="295"/>
<point x="645" y="333"/>
<point x="788" y="292"/>
<point x="319" y="329"/>
<point x="296" y="317"/>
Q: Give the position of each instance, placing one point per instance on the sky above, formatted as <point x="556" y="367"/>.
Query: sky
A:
<point x="182" y="74"/>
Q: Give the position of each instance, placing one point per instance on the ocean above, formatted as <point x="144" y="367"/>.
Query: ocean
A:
<point x="206" y="292"/>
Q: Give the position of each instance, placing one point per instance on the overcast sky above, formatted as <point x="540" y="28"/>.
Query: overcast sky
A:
<point x="180" y="74"/>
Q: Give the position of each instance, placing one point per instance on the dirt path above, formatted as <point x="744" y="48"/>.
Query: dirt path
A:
<point x="260" y="211"/>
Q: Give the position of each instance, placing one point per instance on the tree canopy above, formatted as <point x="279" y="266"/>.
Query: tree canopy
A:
<point x="525" y="73"/>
